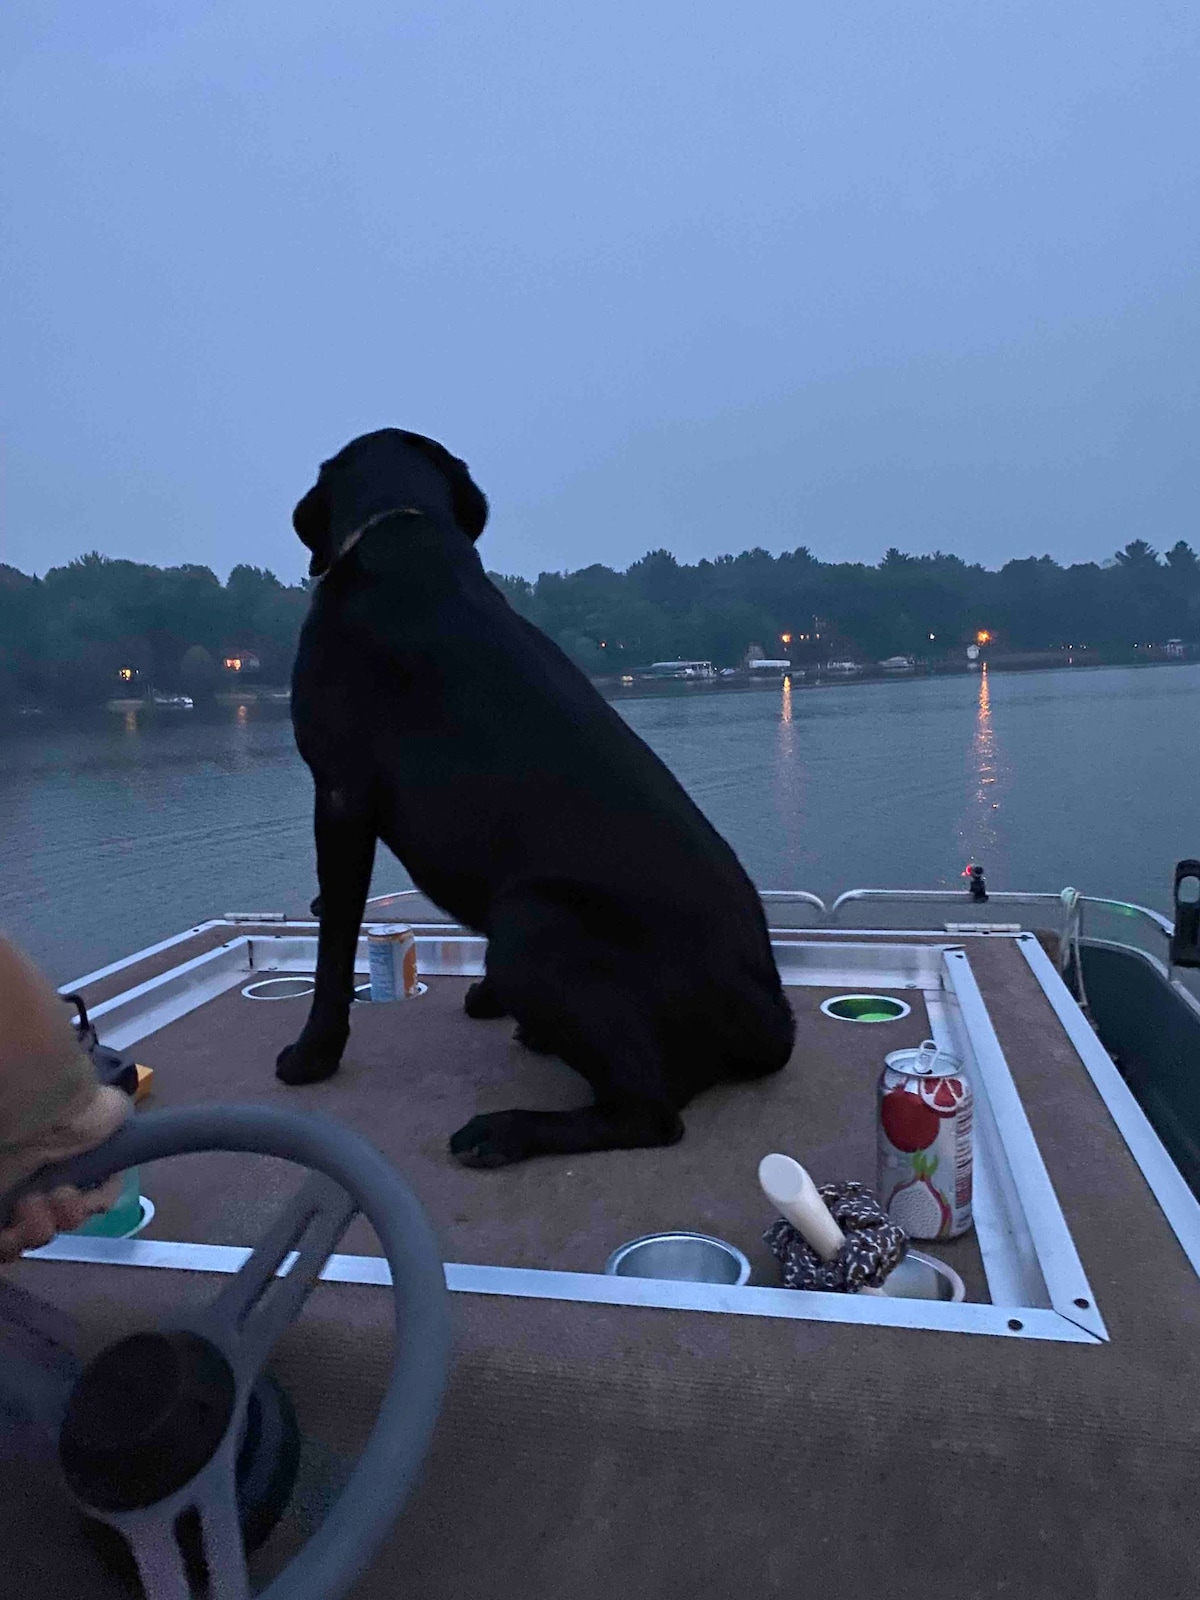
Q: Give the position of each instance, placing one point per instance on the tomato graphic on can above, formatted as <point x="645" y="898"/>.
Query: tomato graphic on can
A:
<point x="924" y="1144"/>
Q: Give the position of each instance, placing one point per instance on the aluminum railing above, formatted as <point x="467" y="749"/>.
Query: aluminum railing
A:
<point x="925" y="899"/>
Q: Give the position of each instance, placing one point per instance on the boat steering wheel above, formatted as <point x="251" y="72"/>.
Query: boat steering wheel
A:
<point x="153" y="1427"/>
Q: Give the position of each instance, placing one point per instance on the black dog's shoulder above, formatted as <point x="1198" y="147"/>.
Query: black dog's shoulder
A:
<point x="408" y="592"/>
<point x="412" y="650"/>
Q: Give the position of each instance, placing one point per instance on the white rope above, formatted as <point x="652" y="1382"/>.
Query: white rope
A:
<point x="1068" y="949"/>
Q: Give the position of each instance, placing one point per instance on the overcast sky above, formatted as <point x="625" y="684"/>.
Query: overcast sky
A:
<point x="665" y="272"/>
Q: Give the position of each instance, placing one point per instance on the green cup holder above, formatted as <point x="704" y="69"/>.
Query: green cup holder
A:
<point x="864" y="1008"/>
<point x="129" y="1216"/>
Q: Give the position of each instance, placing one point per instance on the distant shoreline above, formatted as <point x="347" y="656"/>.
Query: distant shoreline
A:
<point x="610" y="686"/>
<point x="641" y="688"/>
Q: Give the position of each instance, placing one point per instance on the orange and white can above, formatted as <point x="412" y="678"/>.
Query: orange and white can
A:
<point x="392" y="963"/>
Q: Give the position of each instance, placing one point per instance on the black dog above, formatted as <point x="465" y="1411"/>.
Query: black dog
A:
<point x="623" y="934"/>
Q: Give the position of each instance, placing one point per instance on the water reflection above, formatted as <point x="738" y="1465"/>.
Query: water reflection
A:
<point x="789" y="796"/>
<point x="131" y="719"/>
<point x="980" y="833"/>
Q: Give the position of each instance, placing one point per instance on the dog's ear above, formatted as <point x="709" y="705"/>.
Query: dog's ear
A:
<point x="311" y="522"/>
<point x="468" y="502"/>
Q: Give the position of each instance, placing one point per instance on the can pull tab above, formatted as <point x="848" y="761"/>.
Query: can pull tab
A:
<point x="925" y="1061"/>
<point x="1185" y="941"/>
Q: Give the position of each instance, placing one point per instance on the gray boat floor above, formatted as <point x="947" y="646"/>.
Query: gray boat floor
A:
<point x="592" y="1450"/>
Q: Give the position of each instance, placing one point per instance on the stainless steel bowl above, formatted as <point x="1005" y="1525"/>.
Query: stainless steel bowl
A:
<point x="684" y="1257"/>
<point x="921" y="1277"/>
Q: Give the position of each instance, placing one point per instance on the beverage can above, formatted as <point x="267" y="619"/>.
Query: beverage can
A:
<point x="925" y="1113"/>
<point x="392" y="963"/>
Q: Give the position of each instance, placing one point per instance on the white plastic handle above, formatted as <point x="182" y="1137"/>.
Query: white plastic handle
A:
<point x="795" y="1196"/>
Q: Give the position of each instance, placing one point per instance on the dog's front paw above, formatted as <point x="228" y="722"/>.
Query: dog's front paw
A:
<point x="496" y="1139"/>
<point x="309" y="1060"/>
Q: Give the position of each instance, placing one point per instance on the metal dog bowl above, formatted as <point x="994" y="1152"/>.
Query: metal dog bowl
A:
<point x="921" y="1277"/>
<point x="685" y="1257"/>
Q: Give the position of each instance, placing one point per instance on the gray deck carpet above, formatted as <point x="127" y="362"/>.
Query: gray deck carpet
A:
<point x="597" y="1452"/>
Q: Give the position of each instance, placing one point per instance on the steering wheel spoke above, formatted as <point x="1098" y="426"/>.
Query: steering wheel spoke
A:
<point x="221" y="1535"/>
<point x="160" y="1562"/>
<point x="192" y="1541"/>
<point x="267" y="1294"/>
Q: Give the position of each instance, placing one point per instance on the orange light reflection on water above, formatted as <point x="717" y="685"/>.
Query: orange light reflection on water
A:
<point x="980" y="835"/>
<point x="789" y="790"/>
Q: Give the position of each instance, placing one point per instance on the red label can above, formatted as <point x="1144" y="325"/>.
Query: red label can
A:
<point x="925" y="1110"/>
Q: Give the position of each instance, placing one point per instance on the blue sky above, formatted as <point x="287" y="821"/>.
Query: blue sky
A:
<point x="664" y="273"/>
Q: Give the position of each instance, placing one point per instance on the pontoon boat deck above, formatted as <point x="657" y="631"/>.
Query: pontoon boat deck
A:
<point x="606" y="1436"/>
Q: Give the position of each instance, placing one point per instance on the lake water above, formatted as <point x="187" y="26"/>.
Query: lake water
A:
<point x="122" y="830"/>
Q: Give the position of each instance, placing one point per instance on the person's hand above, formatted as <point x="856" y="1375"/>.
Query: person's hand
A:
<point x="51" y="1108"/>
<point x="36" y="1218"/>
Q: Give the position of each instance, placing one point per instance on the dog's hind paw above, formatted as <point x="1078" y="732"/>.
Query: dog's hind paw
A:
<point x="483" y="1003"/>
<point x="496" y="1139"/>
<point x="532" y="1041"/>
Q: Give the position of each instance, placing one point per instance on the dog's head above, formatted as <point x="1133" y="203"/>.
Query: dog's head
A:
<point x="390" y="470"/>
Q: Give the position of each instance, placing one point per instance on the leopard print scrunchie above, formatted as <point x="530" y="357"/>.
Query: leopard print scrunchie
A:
<point x="874" y="1244"/>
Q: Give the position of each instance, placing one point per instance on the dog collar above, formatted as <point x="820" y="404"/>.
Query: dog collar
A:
<point x="365" y="528"/>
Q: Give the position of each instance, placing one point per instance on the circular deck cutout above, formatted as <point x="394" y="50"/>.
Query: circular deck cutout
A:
<point x="922" y="1277"/>
<point x="864" y="1008"/>
<point x="362" y="991"/>
<point x="294" y="988"/>
<point x="680" y="1257"/>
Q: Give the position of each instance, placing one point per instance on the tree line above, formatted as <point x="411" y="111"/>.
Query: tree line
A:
<point x="927" y="607"/>
<point x="76" y="635"/>
<point x="98" y="627"/>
